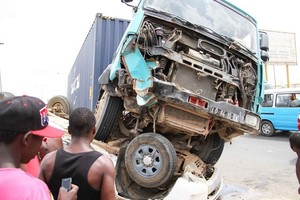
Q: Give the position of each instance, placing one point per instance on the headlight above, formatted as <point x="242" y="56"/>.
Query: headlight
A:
<point x="252" y="120"/>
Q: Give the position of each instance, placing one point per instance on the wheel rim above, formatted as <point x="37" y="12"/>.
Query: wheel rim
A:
<point x="147" y="161"/>
<point x="266" y="129"/>
<point x="59" y="107"/>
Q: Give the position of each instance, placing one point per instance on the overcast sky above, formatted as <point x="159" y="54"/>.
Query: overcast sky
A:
<point x="42" y="38"/>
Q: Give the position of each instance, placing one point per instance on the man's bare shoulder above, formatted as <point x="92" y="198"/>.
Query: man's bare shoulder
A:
<point x="47" y="165"/>
<point x="105" y="163"/>
<point x="49" y="159"/>
<point x="105" y="160"/>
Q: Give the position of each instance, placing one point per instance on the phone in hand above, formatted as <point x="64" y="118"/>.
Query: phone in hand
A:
<point x="66" y="183"/>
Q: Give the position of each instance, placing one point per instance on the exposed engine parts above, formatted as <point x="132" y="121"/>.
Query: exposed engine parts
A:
<point x="232" y="77"/>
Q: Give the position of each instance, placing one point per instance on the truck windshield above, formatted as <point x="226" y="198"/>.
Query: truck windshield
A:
<point x="213" y="15"/>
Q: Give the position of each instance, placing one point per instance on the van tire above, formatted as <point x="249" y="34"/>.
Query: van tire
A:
<point x="267" y="129"/>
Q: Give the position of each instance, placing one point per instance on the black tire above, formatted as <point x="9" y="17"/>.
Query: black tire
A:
<point x="150" y="160"/>
<point x="129" y="189"/>
<point x="60" y="103"/>
<point x="266" y="129"/>
<point x="209" y="150"/>
<point x="107" y="111"/>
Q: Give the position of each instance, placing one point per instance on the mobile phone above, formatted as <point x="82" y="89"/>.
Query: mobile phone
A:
<point x="66" y="183"/>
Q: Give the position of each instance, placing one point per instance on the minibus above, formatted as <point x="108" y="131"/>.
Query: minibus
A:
<point x="280" y="110"/>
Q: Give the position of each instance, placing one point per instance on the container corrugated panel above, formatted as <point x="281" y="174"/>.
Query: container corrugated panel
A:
<point x="94" y="56"/>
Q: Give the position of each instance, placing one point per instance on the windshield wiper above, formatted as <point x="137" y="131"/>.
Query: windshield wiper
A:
<point x="222" y="37"/>
<point x="237" y="45"/>
<point x="183" y="21"/>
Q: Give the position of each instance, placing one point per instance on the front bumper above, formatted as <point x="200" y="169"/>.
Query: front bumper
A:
<point x="237" y="117"/>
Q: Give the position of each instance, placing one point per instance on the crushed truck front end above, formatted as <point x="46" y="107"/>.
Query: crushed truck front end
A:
<point x="189" y="76"/>
<point x="203" y="58"/>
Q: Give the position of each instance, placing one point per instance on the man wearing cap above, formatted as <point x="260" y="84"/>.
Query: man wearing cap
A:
<point x="23" y="125"/>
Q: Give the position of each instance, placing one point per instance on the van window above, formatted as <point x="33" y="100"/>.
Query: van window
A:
<point x="283" y="100"/>
<point x="268" y="100"/>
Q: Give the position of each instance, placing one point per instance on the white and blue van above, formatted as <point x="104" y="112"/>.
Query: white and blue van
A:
<point x="279" y="110"/>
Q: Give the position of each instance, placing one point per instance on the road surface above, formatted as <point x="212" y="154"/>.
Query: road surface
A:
<point x="259" y="168"/>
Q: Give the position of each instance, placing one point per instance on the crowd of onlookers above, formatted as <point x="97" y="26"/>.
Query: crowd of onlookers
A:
<point x="33" y="160"/>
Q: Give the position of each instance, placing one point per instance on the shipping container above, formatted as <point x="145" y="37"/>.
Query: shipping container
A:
<point x="94" y="56"/>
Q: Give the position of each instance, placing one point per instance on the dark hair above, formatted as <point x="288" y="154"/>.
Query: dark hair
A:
<point x="295" y="139"/>
<point x="81" y="121"/>
<point x="7" y="137"/>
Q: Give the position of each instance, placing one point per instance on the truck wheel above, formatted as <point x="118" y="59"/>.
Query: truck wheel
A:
<point x="266" y="128"/>
<point x="150" y="160"/>
<point x="107" y="111"/>
<point x="129" y="189"/>
<point x="209" y="150"/>
<point x="59" y="104"/>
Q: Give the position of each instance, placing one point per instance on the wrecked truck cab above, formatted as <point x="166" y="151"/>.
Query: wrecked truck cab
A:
<point x="186" y="77"/>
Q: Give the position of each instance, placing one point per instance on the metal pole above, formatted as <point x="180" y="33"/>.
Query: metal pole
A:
<point x="266" y="71"/>
<point x="287" y="75"/>
<point x="274" y="76"/>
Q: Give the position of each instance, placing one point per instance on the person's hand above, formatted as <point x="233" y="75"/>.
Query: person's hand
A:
<point x="71" y="195"/>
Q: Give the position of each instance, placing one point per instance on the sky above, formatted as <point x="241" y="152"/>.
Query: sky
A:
<point x="42" y="38"/>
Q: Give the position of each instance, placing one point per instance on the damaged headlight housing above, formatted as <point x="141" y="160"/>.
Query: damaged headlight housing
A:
<point x="252" y="121"/>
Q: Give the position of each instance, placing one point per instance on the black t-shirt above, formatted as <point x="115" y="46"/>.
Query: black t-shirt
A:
<point x="77" y="166"/>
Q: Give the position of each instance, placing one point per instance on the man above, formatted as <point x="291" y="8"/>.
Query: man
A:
<point x="93" y="172"/>
<point x="48" y="145"/>
<point x="294" y="101"/>
<point x="23" y="125"/>
<point x="294" y="139"/>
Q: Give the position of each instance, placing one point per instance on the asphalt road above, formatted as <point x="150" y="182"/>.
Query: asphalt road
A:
<point x="259" y="168"/>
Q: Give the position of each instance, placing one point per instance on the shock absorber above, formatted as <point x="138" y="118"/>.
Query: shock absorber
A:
<point x="161" y="68"/>
<point x="159" y="33"/>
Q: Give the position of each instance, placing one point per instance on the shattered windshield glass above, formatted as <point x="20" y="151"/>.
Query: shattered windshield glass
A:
<point x="213" y="15"/>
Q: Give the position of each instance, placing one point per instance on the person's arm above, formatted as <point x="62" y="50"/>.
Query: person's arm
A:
<point x="298" y="172"/>
<point x="108" y="181"/>
<point x="42" y="167"/>
<point x="46" y="166"/>
<point x="71" y="195"/>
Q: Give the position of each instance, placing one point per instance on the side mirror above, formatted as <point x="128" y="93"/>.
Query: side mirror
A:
<point x="127" y="3"/>
<point x="264" y="55"/>
<point x="264" y="46"/>
<point x="264" y="41"/>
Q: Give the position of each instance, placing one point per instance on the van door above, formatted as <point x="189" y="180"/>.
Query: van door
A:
<point x="285" y="116"/>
